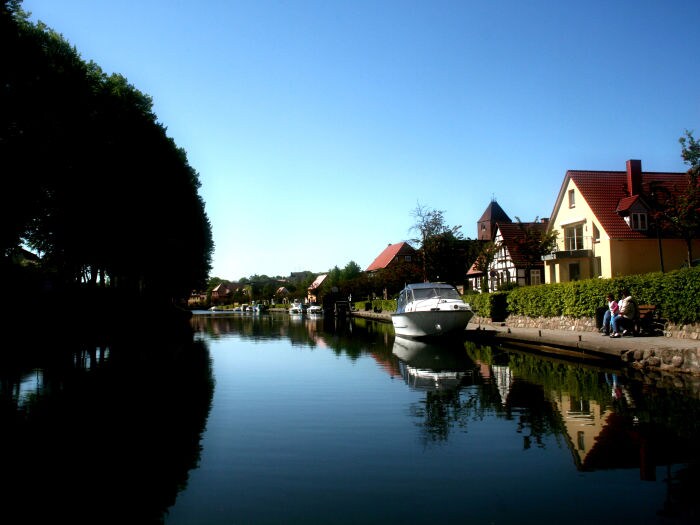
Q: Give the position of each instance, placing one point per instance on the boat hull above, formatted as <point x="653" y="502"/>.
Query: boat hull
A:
<point x="438" y="323"/>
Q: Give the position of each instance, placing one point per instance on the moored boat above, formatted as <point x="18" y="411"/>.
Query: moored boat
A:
<point x="314" y="309"/>
<point x="430" y="310"/>
<point x="297" y="308"/>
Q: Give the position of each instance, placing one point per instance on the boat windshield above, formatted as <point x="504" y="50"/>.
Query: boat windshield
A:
<point x="432" y="293"/>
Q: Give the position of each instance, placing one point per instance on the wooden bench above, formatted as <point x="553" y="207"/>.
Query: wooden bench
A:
<point x="647" y="321"/>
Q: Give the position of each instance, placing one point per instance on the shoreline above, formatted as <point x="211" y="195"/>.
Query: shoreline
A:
<point x="646" y="353"/>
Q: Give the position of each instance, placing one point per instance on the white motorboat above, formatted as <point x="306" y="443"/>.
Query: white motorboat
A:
<point x="297" y="308"/>
<point x="314" y="309"/>
<point x="430" y="310"/>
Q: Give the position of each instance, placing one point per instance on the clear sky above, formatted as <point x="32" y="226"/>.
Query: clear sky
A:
<point x="318" y="126"/>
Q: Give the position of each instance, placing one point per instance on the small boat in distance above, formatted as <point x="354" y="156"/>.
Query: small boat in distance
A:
<point x="314" y="308"/>
<point x="297" y="308"/>
<point x="430" y="310"/>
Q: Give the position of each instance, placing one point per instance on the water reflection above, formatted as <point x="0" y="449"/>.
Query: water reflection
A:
<point x="101" y="433"/>
<point x="344" y="402"/>
<point x="611" y="420"/>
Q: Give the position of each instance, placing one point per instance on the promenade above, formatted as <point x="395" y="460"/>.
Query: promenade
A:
<point x="655" y="353"/>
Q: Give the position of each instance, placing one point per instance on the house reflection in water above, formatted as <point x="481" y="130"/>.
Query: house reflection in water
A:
<point x="601" y="438"/>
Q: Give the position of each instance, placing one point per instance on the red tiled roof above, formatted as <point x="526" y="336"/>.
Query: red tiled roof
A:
<point x="606" y="192"/>
<point x="318" y="281"/>
<point x="391" y="251"/>
<point x="473" y="272"/>
<point x="626" y="203"/>
<point x="512" y="233"/>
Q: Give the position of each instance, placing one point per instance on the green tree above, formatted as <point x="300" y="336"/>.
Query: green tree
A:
<point x="484" y="259"/>
<point x="677" y="210"/>
<point x="437" y="242"/>
<point x="351" y="271"/>
<point x="536" y="240"/>
<point x="99" y="190"/>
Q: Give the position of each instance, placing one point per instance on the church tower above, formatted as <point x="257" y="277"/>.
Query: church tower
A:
<point x="486" y="225"/>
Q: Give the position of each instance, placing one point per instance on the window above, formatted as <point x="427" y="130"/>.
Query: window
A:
<point x="639" y="221"/>
<point x="596" y="234"/>
<point x="573" y="238"/>
<point x="407" y="258"/>
<point x="574" y="272"/>
<point x="535" y="277"/>
<point x="572" y="199"/>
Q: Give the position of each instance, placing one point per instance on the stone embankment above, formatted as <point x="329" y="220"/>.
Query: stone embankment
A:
<point x="677" y="351"/>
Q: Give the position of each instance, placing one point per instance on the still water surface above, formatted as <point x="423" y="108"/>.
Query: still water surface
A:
<point x="274" y="419"/>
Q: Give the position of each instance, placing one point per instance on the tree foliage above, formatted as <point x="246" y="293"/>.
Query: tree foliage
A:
<point x="97" y="187"/>
<point x="443" y="253"/>
<point x="535" y="241"/>
<point x="485" y="256"/>
<point x="677" y="211"/>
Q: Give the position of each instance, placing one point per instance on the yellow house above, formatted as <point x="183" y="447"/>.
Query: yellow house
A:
<point x="606" y="228"/>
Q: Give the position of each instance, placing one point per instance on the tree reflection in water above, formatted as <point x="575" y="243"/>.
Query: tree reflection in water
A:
<point x="107" y="432"/>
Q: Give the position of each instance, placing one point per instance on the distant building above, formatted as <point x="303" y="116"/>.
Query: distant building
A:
<point x="511" y="264"/>
<point x="489" y="220"/>
<point x="393" y="254"/>
<point x="314" y="290"/>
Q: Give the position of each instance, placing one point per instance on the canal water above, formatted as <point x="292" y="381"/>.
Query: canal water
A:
<point x="275" y="419"/>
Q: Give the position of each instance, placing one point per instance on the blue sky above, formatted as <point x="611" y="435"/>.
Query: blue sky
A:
<point x="318" y="126"/>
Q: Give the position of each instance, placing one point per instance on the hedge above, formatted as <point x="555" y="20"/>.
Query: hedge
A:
<point x="676" y="294"/>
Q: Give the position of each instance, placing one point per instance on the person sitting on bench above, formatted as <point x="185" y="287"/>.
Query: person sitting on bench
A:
<point x="623" y="324"/>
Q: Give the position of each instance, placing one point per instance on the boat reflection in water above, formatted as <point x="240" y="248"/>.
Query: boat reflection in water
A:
<point x="432" y="366"/>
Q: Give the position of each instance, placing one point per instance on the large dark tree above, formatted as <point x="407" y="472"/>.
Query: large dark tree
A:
<point x="92" y="181"/>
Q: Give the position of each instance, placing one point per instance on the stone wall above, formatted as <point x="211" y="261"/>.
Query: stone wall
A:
<point x="585" y="324"/>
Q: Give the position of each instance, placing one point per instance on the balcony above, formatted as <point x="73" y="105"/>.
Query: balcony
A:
<point x="570" y="249"/>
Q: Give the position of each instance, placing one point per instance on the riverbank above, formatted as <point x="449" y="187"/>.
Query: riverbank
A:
<point x="653" y="353"/>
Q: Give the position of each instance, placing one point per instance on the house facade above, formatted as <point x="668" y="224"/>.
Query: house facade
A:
<point x="314" y="290"/>
<point x="606" y="227"/>
<point x="511" y="263"/>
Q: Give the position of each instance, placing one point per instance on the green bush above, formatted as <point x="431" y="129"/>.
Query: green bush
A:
<point x="492" y="305"/>
<point x="676" y="294"/>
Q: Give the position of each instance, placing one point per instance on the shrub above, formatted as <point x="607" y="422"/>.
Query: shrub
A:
<point x="676" y="294"/>
<point x="491" y="305"/>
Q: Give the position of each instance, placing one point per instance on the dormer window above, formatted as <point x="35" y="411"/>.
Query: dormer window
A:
<point x="638" y="221"/>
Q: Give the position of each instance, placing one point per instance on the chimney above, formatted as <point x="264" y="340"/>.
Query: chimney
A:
<point x="634" y="177"/>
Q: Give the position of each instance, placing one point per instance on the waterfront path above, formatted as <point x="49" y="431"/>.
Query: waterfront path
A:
<point x="644" y="352"/>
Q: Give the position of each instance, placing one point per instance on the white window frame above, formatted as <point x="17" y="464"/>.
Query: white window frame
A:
<point x="638" y="221"/>
<point x="577" y="237"/>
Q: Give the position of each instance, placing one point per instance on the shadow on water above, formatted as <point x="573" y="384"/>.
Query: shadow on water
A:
<point x="100" y="430"/>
